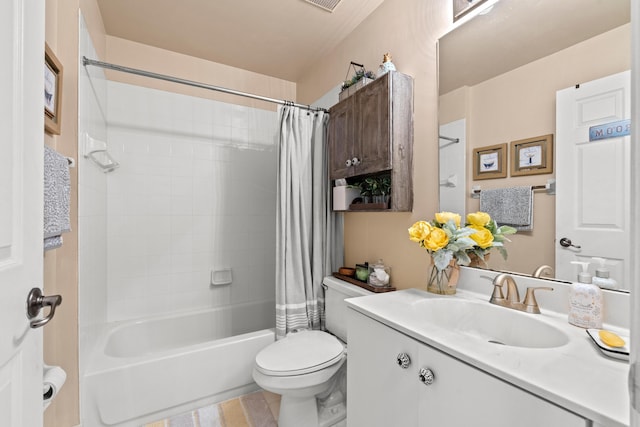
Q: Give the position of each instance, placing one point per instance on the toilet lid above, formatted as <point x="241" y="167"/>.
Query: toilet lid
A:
<point x="300" y="353"/>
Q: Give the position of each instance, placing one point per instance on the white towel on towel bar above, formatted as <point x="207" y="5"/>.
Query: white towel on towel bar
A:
<point x="509" y="206"/>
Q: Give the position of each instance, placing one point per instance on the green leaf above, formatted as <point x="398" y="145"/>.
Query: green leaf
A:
<point x="442" y="258"/>
<point x="505" y="229"/>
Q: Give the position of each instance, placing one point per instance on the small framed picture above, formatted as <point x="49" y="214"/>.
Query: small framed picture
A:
<point x="490" y="162"/>
<point x="532" y="156"/>
<point x="52" y="92"/>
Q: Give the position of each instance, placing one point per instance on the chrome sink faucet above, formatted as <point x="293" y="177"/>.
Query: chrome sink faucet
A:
<point x="529" y="305"/>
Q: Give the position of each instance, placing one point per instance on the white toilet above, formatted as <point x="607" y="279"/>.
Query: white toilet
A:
<point x="305" y="365"/>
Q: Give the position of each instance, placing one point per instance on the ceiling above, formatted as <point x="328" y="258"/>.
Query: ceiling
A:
<point x="517" y="32"/>
<point x="279" y="38"/>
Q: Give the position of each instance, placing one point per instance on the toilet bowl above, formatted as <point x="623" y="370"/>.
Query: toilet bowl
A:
<point x="306" y="366"/>
<point x="301" y="367"/>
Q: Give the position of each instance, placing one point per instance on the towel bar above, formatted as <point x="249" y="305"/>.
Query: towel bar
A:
<point x="550" y="186"/>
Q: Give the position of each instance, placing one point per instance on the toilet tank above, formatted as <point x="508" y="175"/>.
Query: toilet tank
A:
<point x="335" y="309"/>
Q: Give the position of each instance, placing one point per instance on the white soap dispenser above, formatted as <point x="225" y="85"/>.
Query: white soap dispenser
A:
<point x="602" y="278"/>
<point x="585" y="300"/>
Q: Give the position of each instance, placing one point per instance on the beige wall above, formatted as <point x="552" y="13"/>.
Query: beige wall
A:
<point x="408" y="29"/>
<point x="521" y="104"/>
<point x="144" y="57"/>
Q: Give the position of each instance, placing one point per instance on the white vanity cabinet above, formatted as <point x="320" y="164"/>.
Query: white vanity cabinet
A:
<point x="383" y="393"/>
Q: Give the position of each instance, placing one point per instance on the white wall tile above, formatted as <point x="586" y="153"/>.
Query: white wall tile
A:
<point x="184" y="199"/>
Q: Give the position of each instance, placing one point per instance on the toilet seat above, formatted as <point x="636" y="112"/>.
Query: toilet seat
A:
<point x="300" y="353"/>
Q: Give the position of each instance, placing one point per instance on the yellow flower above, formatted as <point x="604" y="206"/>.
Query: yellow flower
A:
<point x="436" y="240"/>
<point x="478" y="219"/>
<point x="482" y="236"/>
<point x="419" y="231"/>
<point x="443" y="217"/>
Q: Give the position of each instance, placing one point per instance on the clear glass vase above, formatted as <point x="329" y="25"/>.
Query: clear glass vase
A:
<point x="443" y="282"/>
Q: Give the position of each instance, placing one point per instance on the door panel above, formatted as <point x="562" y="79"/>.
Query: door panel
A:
<point x="21" y="159"/>
<point x="373" y="126"/>
<point x="593" y="182"/>
<point x="341" y="139"/>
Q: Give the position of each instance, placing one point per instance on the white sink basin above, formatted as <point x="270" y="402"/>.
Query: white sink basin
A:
<point x="491" y="323"/>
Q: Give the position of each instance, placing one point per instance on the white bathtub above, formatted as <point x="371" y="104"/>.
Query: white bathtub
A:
<point x="147" y="370"/>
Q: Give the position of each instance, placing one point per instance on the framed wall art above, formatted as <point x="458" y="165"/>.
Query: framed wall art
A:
<point x="52" y="92"/>
<point x="490" y="162"/>
<point x="532" y="156"/>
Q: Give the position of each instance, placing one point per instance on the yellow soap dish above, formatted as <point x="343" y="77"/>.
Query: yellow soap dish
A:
<point x="616" y="351"/>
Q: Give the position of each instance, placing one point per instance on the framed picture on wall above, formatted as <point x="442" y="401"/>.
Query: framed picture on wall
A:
<point x="52" y="91"/>
<point x="532" y="156"/>
<point x="490" y="162"/>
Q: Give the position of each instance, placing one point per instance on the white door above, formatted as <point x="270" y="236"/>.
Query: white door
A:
<point x="21" y="158"/>
<point x="593" y="179"/>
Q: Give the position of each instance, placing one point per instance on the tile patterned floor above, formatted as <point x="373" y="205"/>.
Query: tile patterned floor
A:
<point x="259" y="409"/>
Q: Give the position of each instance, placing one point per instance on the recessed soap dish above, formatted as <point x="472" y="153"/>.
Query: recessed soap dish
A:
<point x="221" y="277"/>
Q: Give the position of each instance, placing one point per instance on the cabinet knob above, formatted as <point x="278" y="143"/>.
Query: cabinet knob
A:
<point x="426" y="376"/>
<point x="403" y="360"/>
<point x="355" y="161"/>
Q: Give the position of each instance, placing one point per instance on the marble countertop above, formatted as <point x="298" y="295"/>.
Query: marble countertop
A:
<point x="575" y="376"/>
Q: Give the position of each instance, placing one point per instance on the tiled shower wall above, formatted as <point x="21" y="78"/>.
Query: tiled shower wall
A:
<point x="195" y="192"/>
<point x="92" y="204"/>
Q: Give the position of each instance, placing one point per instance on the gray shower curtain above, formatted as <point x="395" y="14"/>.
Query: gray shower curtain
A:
<point x="309" y="236"/>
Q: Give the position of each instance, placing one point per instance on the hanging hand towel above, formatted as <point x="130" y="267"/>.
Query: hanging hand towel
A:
<point x="57" y="198"/>
<point x="509" y="206"/>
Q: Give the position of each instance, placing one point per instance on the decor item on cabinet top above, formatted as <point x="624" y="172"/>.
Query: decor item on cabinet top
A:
<point x="360" y="78"/>
<point x="386" y="65"/>
<point x="362" y="272"/>
<point x="379" y="274"/>
<point x="347" y="271"/>
<point x="487" y="235"/>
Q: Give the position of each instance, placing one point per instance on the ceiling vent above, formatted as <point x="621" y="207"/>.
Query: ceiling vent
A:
<point x="328" y="5"/>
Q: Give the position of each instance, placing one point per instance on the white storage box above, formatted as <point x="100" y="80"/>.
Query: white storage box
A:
<point x="343" y="196"/>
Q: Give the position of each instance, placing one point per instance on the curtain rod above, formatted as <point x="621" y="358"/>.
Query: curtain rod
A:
<point x="86" y="61"/>
<point x="448" y="138"/>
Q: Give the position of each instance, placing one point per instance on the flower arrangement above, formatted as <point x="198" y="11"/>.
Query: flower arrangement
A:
<point x="444" y="239"/>
<point x="487" y="235"/>
<point x="451" y="245"/>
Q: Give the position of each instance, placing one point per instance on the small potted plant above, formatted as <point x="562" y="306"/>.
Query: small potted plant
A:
<point x="384" y="182"/>
<point x="368" y="189"/>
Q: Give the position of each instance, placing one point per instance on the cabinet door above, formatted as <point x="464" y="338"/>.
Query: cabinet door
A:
<point x="341" y="139"/>
<point x="462" y="395"/>
<point x="380" y="393"/>
<point x="373" y="126"/>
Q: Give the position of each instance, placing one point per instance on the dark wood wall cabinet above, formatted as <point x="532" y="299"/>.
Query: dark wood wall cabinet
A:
<point x="371" y="132"/>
